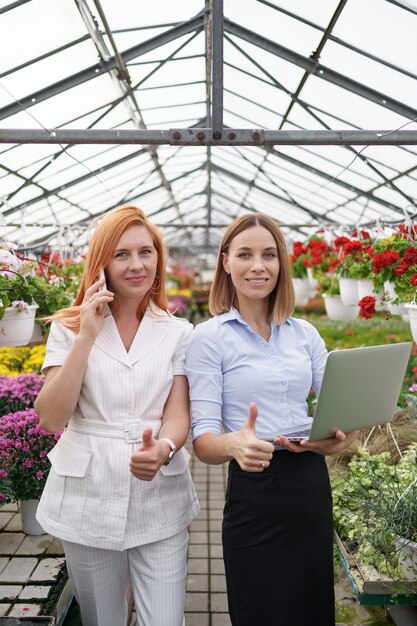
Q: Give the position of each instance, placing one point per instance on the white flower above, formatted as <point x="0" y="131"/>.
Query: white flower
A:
<point x="8" y="260"/>
<point x="21" y="305"/>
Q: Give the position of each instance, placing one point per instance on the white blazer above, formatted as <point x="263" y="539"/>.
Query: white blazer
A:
<point x="90" y="496"/>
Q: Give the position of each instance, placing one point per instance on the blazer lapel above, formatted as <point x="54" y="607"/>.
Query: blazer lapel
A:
<point x="109" y="341"/>
<point x="152" y="331"/>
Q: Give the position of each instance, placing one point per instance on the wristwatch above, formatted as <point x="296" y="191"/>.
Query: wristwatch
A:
<point x="172" y="451"/>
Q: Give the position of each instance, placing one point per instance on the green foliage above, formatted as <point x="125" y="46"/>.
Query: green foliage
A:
<point x="373" y="502"/>
<point x="32" y="289"/>
<point x="360" y="332"/>
<point x="298" y="269"/>
<point x="328" y="283"/>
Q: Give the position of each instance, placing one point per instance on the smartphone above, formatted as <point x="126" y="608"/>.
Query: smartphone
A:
<point x="100" y="276"/>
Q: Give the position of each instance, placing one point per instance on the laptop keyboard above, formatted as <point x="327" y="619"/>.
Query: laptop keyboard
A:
<point x="304" y="434"/>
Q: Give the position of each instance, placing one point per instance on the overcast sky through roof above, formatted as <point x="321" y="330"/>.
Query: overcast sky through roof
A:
<point x="53" y="75"/>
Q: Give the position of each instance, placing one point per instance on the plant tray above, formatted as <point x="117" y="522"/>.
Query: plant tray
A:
<point x="375" y="592"/>
<point x="64" y="601"/>
<point x="28" y="621"/>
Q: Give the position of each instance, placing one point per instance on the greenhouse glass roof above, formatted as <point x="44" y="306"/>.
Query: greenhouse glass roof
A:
<point x="199" y="111"/>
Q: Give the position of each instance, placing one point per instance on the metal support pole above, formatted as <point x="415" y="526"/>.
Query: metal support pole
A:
<point x="217" y="71"/>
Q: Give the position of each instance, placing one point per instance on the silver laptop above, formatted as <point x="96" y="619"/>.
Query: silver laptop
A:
<point x="360" y="389"/>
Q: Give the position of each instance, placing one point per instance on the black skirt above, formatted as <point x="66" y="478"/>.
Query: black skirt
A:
<point x="278" y="543"/>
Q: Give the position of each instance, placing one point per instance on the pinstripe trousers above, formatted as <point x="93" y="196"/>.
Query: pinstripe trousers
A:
<point x="155" y="572"/>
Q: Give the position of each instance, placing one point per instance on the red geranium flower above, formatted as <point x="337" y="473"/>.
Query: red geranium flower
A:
<point x="384" y="259"/>
<point x="340" y="242"/>
<point x="353" y="246"/>
<point x="367" y="307"/>
<point x="408" y="232"/>
<point x="361" y="233"/>
<point x="410" y="257"/>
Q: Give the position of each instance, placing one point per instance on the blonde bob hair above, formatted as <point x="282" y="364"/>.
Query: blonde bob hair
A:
<point x="100" y="250"/>
<point x="223" y="294"/>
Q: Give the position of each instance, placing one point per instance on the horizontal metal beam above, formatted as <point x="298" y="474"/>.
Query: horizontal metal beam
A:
<point x="204" y="137"/>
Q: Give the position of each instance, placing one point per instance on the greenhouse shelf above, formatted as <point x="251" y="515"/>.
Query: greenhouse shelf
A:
<point x="376" y="592"/>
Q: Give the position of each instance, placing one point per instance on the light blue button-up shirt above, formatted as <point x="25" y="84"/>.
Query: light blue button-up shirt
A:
<point x="229" y="365"/>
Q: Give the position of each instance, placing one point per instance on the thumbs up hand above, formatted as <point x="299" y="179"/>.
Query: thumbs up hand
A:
<point x="145" y="462"/>
<point x="252" y="454"/>
<point x="251" y="421"/>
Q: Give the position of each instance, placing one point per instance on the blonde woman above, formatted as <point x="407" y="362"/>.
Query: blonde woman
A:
<point x="119" y="494"/>
<point x="250" y="370"/>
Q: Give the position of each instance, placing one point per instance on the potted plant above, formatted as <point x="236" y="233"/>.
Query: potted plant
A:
<point x="24" y="446"/>
<point x="348" y="250"/>
<point x="19" y="392"/>
<point x="5" y="481"/>
<point x="355" y="263"/>
<point x="24" y="463"/>
<point x="24" y="292"/>
<point x="328" y="285"/>
<point x="395" y="264"/>
<point x="375" y="503"/>
<point x="302" y="287"/>
<point x="320" y="257"/>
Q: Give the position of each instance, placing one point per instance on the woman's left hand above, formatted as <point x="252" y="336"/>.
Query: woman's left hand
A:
<point x="330" y="445"/>
<point x="145" y="462"/>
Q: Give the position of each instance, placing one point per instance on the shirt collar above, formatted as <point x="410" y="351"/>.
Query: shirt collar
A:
<point x="233" y="314"/>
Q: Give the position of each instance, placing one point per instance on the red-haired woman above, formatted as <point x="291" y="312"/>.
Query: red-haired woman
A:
<point x="119" y="493"/>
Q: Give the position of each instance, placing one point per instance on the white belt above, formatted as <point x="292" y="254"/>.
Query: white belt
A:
<point x="131" y="431"/>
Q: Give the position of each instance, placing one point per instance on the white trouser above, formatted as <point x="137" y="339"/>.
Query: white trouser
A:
<point x="156" y="572"/>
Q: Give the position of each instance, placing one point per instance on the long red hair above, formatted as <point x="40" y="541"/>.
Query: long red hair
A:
<point x="100" y="249"/>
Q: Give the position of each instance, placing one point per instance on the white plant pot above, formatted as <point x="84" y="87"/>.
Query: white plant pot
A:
<point x="394" y="309"/>
<point x="412" y="318"/>
<point x="37" y="334"/>
<point x="336" y="310"/>
<point x="366" y="288"/>
<point x="30" y="524"/>
<point x="16" y="327"/>
<point x="407" y="557"/>
<point x="349" y="291"/>
<point x="303" y="291"/>
<point x="311" y="279"/>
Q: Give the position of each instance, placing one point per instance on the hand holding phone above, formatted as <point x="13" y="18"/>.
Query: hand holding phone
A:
<point x="102" y="275"/>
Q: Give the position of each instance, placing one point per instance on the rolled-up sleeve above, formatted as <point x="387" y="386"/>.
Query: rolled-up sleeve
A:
<point x="179" y="356"/>
<point x="58" y="345"/>
<point x="203" y="367"/>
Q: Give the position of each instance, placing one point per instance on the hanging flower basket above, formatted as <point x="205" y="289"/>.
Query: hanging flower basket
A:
<point x="17" y="324"/>
<point x="336" y="310"/>
<point x="303" y="291"/>
<point x="412" y="316"/>
<point x="394" y="309"/>
<point x="366" y="287"/>
<point x="349" y="291"/>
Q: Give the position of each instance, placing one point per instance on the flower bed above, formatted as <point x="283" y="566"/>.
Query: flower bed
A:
<point x="22" y="359"/>
<point x="24" y="447"/>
